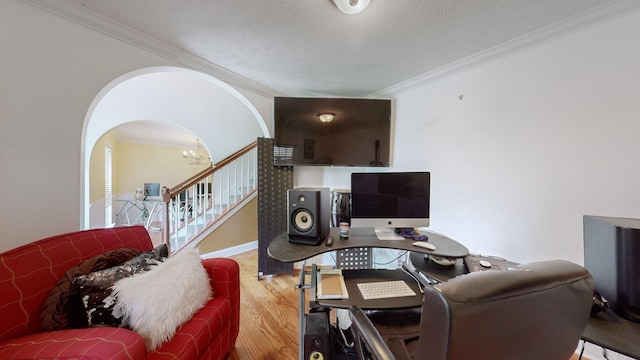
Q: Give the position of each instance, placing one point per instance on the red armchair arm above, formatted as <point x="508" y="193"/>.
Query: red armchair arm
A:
<point x="225" y="282"/>
<point x="95" y="343"/>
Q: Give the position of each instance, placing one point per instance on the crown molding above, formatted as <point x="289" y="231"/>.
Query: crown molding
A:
<point x="84" y="17"/>
<point x="80" y="15"/>
<point x="593" y="17"/>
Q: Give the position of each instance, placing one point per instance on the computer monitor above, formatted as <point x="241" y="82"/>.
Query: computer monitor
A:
<point x="151" y="190"/>
<point x="611" y="253"/>
<point x="389" y="200"/>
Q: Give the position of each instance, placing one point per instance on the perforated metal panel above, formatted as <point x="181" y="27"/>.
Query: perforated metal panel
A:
<point x="355" y="258"/>
<point x="273" y="182"/>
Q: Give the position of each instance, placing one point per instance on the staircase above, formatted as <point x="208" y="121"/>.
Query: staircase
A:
<point x="193" y="207"/>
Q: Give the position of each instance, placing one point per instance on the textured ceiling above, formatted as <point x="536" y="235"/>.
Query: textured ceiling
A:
<point x="309" y="47"/>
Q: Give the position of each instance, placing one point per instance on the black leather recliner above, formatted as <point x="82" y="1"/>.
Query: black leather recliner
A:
<point x="536" y="311"/>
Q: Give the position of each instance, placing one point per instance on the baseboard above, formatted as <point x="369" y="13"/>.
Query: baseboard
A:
<point x="234" y="250"/>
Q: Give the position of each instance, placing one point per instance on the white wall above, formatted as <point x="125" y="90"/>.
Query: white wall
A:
<point x="189" y="99"/>
<point x="538" y="140"/>
<point x="51" y="70"/>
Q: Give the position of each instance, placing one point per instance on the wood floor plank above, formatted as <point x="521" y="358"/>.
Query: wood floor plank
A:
<point x="268" y="314"/>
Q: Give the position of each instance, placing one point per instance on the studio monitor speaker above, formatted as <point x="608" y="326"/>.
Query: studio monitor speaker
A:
<point x="308" y="214"/>
<point x="316" y="336"/>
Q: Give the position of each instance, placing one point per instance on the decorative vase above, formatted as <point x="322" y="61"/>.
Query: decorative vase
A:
<point x="139" y="195"/>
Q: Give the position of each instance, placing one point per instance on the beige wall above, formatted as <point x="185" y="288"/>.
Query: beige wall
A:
<point x="132" y="166"/>
<point x="239" y="229"/>
<point x="136" y="164"/>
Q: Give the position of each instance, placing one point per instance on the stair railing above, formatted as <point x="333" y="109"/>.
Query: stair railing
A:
<point x="197" y="203"/>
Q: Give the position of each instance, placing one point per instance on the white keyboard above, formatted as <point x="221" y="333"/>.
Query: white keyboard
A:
<point x="385" y="289"/>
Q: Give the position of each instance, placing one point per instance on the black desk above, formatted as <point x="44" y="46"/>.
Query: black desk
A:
<point x="353" y="277"/>
<point x="438" y="272"/>
<point x="282" y="250"/>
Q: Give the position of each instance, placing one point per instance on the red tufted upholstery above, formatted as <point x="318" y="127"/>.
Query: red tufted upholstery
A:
<point x="27" y="273"/>
<point x="96" y="344"/>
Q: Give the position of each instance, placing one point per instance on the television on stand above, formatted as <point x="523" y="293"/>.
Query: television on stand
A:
<point x="390" y="200"/>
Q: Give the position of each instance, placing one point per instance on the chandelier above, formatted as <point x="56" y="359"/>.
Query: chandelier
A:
<point x="196" y="157"/>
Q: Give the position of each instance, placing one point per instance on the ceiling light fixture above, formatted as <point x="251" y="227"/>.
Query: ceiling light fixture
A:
<point x="326" y="118"/>
<point x="351" y="6"/>
<point x="196" y="157"/>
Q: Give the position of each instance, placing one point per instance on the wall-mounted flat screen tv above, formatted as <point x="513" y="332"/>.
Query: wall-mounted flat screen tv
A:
<point x="358" y="133"/>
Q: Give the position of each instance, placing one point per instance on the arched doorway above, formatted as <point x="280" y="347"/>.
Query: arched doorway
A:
<point x="219" y="115"/>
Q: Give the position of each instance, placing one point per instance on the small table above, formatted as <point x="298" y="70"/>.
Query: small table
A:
<point x="139" y="212"/>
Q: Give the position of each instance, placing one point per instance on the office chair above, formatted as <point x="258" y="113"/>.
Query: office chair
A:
<point x="535" y="311"/>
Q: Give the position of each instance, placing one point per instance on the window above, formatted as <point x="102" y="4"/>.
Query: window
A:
<point x="108" y="189"/>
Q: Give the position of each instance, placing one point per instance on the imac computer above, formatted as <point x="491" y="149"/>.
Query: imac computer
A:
<point x="151" y="190"/>
<point x="390" y="200"/>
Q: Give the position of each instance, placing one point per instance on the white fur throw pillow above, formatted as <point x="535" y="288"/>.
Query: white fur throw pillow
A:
<point x="157" y="302"/>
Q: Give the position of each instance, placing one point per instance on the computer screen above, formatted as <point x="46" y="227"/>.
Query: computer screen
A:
<point x="151" y="189"/>
<point x="389" y="200"/>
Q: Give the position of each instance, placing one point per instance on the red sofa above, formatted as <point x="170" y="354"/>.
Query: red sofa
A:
<point x="27" y="274"/>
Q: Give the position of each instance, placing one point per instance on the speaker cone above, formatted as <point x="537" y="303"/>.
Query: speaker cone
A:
<point x="302" y="220"/>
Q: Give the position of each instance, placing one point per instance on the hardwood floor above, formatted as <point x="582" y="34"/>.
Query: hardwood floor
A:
<point x="268" y="314"/>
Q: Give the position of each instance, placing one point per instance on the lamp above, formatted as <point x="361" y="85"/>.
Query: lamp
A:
<point x="326" y="118"/>
<point x="195" y="157"/>
<point x="351" y="7"/>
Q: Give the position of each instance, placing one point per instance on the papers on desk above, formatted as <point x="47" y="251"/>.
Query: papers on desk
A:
<point x="331" y="284"/>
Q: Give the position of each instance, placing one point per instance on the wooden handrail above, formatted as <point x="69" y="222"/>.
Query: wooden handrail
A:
<point x="188" y="182"/>
<point x="174" y="191"/>
<point x="236" y="155"/>
<point x="199" y="179"/>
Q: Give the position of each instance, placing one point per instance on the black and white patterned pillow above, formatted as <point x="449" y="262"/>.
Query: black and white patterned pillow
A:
<point x="95" y="287"/>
